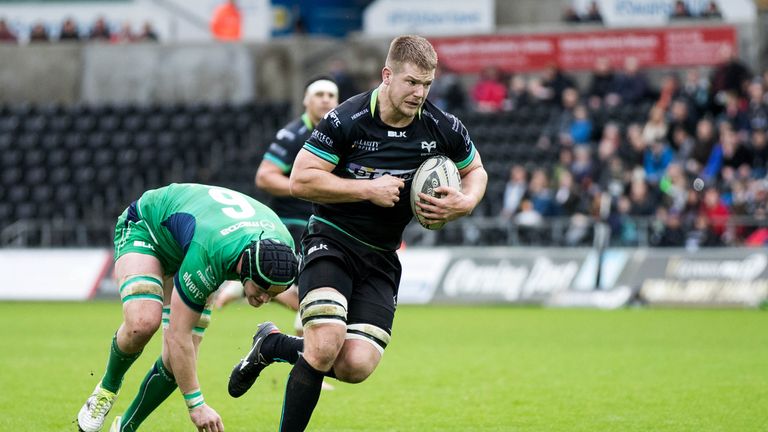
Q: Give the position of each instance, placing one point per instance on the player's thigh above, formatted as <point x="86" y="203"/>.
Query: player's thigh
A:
<point x="140" y="282"/>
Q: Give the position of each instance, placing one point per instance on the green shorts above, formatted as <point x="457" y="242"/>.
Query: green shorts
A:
<point x="133" y="236"/>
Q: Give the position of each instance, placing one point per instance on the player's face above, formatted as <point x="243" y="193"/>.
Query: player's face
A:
<point x="408" y="88"/>
<point x="254" y="294"/>
<point x="319" y="103"/>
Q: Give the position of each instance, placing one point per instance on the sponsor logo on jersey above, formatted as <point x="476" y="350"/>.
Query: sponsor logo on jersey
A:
<point x="366" y="145"/>
<point x="363" y="172"/>
<point x="321" y="137"/>
<point x="285" y="134"/>
<point x="428" y="146"/>
<point x="263" y="224"/>
<point x="277" y="149"/>
<point x="143" y="244"/>
<point x="333" y="117"/>
<point x="396" y="134"/>
<point x="359" y="113"/>
<point x="208" y="284"/>
<point x="321" y="246"/>
<point x="191" y="287"/>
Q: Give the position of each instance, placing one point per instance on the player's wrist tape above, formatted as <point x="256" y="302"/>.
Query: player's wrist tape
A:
<point x="194" y="399"/>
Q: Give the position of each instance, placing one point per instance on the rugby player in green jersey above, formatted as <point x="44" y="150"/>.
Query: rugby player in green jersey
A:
<point x="174" y="247"/>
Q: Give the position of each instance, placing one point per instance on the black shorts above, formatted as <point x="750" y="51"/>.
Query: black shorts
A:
<point x="367" y="278"/>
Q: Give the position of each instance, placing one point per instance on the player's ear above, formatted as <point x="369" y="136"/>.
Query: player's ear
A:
<point x="386" y="75"/>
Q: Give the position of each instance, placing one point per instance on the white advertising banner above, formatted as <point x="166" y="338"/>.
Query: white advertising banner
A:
<point x="52" y="274"/>
<point x="429" y="17"/>
<point x="644" y="13"/>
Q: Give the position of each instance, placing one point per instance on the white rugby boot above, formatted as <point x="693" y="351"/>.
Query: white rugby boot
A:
<point x="94" y="411"/>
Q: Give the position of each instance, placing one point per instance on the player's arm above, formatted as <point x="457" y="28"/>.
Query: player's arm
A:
<point x="454" y="203"/>
<point x="182" y="357"/>
<point x="312" y="180"/>
<point x="272" y="179"/>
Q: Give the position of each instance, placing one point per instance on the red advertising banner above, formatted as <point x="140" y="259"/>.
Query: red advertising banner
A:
<point x="684" y="46"/>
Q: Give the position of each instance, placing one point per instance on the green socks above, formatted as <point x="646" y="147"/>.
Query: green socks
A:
<point x="156" y="387"/>
<point x="117" y="366"/>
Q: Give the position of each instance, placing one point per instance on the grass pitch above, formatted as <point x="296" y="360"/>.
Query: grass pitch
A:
<point x="447" y="369"/>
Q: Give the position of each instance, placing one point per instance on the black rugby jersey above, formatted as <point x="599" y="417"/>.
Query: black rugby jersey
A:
<point x="282" y="152"/>
<point x="354" y="138"/>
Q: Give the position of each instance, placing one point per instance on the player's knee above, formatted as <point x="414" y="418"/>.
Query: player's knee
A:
<point x="354" y="369"/>
<point x="141" y="327"/>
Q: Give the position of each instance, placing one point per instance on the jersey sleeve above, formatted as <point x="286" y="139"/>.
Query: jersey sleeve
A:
<point x="327" y="139"/>
<point x="196" y="278"/>
<point x="283" y="149"/>
<point x="461" y="149"/>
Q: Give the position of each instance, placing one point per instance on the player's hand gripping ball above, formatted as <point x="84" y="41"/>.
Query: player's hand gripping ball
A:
<point x="433" y="172"/>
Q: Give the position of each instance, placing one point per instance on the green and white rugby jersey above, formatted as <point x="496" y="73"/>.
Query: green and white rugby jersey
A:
<point x="198" y="232"/>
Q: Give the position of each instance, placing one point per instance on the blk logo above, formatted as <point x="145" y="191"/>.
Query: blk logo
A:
<point x="395" y="134"/>
<point x="428" y="146"/>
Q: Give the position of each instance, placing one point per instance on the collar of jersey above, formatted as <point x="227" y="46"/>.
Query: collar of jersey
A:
<point x="307" y="121"/>
<point x="375" y="98"/>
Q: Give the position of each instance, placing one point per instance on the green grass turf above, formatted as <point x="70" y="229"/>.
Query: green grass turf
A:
<point x="447" y="369"/>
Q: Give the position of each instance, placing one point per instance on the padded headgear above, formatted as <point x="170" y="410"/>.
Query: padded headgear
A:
<point x="269" y="262"/>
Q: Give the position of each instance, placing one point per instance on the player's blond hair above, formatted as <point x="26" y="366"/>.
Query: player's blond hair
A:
<point x="412" y="49"/>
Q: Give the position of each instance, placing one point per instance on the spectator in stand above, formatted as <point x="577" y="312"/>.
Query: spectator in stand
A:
<point x="735" y="115"/>
<point x="537" y="92"/>
<point x="556" y="81"/>
<point x="673" y="234"/>
<point x="540" y="194"/>
<point x="514" y="191"/>
<point x="69" y="31"/>
<point x="757" y="110"/>
<point x="583" y="167"/>
<point x="570" y="15"/>
<point x="124" y="35"/>
<point x="680" y="11"/>
<point x="705" y="141"/>
<point x="148" y="33"/>
<point x="100" y="30"/>
<point x="581" y="126"/>
<point x="623" y="226"/>
<point x="656" y="127"/>
<point x="226" y="22"/>
<point x="632" y="84"/>
<point x="566" y="198"/>
<point x="593" y="14"/>
<point x="614" y="178"/>
<point x="729" y="76"/>
<point x="680" y="117"/>
<point x="702" y="234"/>
<point x="517" y="94"/>
<point x="39" y="33"/>
<point x="759" y="147"/>
<point x="633" y="149"/>
<point x="657" y="158"/>
<point x="642" y="202"/>
<point x="734" y="156"/>
<point x="695" y="90"/>
<point x="683" y="143"/>
<point x="609" y="143"/>
<point x="712" y="11"/>
<point x="603" y="83"/>
<point x="716" y="212"/>
<point x="489" y="92"/>
<point x="447" y="91"/>
<point x="6" y="35"/>
<point x="674" y="187"/>
<point x="669" y="90"/>
<point x="564" y="162"/>
<point x="528" y="222"/>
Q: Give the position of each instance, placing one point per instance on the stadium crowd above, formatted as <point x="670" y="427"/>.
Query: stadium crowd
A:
<point x="70" y="31"/>
<point x="687" y="157"/>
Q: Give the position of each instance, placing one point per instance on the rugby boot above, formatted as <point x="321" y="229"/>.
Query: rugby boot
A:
<point x="92" y="414"/>
<point x="244" y="373"/>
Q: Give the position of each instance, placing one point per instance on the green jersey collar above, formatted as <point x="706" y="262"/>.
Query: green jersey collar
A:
<point x="307" y="122"/>
<point x="375" y="98"/>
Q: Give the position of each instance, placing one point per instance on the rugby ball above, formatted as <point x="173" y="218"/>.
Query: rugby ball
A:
<point x="433" y="172"/>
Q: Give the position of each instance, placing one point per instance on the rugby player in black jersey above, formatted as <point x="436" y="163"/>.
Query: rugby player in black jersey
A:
<point x="357" y="168"/>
